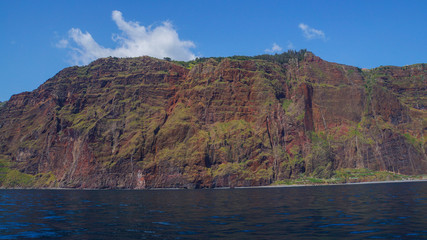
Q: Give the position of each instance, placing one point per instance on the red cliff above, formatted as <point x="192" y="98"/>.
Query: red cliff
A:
<point x="240" y="121"/>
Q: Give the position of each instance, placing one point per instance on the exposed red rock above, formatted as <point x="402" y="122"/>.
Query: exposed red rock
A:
<point x="144" y="122"/>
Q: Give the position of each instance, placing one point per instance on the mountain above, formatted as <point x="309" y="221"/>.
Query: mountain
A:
<point x="213" y="122"/>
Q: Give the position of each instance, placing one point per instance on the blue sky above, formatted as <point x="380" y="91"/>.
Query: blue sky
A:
<point x="39" y="38"/>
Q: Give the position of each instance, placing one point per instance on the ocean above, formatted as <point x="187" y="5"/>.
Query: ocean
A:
<point x="360" y="211"/>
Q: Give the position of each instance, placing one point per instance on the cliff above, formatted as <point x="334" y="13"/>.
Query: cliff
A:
<point x="239" y="121"/>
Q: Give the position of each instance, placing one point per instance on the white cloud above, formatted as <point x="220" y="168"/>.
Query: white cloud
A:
<point x="290" y="45"/>
<point x="63" y="43"/>
<point x="135" y="40"/>
<point x="311" y="33"/>
<point x="274" y="48"/>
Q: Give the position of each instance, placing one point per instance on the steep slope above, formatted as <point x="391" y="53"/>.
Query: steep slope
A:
<point x="144" y="122"/>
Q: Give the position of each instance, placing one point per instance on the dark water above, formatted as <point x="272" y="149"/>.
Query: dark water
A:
<point x="390" y="211"/>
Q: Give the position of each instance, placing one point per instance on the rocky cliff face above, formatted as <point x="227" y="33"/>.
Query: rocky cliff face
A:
<point x="144" y="122"/>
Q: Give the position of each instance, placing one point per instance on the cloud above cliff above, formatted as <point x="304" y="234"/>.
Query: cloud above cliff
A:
<point x="133" y="41"/>
<point x="311" y="33"/>
<point x="274" y="48"/>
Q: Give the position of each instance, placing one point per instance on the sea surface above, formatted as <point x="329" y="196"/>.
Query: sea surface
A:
<point x="384" y="211"/>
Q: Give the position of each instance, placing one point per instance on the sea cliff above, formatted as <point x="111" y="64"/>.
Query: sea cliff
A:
<point x="213" y="122"/>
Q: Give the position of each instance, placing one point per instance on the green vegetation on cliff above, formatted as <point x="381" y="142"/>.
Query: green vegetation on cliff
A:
<point x="12" y="178"/>
<point x="215" y="122"/>
<point x="349" y="175"/>
<point x="282" y="58"/>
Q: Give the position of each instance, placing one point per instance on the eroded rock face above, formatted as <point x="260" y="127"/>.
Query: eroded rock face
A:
<point x="144" y="122"/>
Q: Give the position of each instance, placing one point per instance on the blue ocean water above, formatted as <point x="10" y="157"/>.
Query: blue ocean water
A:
<point x="385" y="211"/>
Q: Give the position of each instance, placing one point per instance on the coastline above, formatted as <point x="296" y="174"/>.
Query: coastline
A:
<point x="336" y="184"/>
<point x="225" y="188"/>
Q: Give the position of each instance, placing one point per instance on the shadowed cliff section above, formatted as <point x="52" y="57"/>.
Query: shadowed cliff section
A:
<point x="238" y="121"/>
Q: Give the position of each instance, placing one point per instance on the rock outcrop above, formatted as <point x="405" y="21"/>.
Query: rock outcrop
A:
<point x="144" y="122"/>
